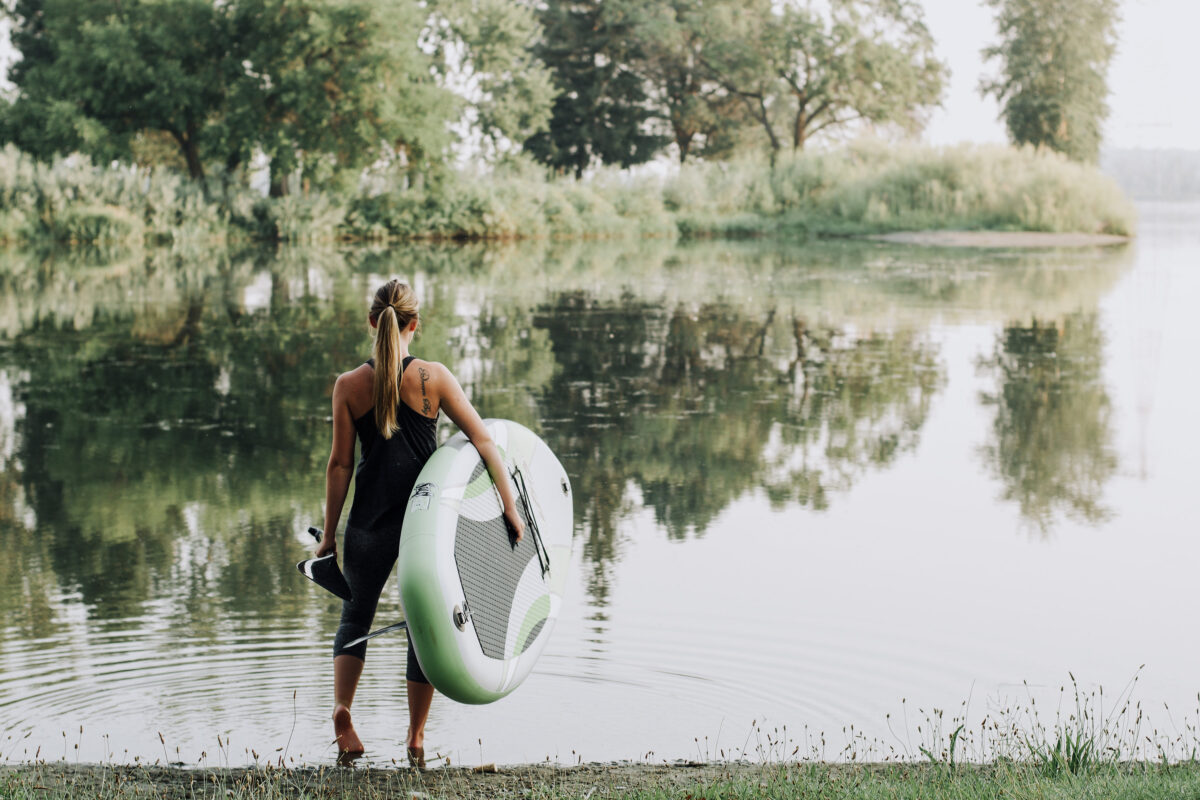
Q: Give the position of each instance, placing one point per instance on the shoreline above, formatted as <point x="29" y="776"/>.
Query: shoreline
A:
<point x="682" y="779"/>
<point x="999" y="239"/>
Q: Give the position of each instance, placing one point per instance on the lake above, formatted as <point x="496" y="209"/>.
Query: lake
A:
<point x="832" y="498"/>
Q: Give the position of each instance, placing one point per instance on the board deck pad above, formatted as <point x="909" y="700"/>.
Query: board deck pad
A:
<point x="491" y="570"/>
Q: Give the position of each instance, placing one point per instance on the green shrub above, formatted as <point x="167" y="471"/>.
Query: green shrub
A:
<point x="299" y="218"/>
<point x="95" y="224"/>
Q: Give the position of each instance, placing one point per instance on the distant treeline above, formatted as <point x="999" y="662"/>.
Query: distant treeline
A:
<point x="1155" y="174"/>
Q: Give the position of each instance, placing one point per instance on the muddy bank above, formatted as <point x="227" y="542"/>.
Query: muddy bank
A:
<point x="999" y="239"/>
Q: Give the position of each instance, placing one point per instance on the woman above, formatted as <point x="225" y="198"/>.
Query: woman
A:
<point x="395" y="420"/>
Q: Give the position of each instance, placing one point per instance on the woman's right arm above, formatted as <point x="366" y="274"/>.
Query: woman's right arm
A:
<point x="453" y="399"/>
<point x="341" y="466"/>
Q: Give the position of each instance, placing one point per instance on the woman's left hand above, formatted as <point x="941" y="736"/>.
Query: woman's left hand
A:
<point x="328" y="545"/>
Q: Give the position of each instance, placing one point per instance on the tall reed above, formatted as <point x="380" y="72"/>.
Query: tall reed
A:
<point x="867" y="187"/>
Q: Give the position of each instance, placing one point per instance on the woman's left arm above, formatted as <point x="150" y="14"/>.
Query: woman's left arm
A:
<point x="453" y="399"/>
<point x="340" y="468"/>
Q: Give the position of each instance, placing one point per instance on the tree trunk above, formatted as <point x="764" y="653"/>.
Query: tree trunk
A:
<point x="279" y="184"/>
<point x="765" y="118"/>
<point x="187" y="145"/>
<point x="192" y="154"/>
<point x="800" y="128"/>
<point x="683" y="139"/>
<point x="195" y="168"/>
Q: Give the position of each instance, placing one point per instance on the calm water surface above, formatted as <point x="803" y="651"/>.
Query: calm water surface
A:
<point x="817" y="485"/>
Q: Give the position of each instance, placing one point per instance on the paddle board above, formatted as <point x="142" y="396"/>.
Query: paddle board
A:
<point x="480" y="607"/>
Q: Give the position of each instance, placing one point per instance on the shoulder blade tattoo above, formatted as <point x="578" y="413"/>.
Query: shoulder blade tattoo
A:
<point x="424" y="375"/>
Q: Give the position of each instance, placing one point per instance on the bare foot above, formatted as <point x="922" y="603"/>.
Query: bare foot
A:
<point x="416" y="748"/>
<point x="349" y="745"/>
<point x="415" y="741"/>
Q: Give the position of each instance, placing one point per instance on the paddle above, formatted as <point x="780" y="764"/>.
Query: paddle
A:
<point x="324" y="571"/>
<point x="399" y="626"/>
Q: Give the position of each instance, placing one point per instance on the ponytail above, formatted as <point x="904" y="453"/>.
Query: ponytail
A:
<point x="395" y="306"/>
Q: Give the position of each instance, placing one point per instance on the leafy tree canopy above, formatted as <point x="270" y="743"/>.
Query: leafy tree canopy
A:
<point x="667" y="53"/>
<point x="336" y="84"/>
<point x="799" y="71"/>
<point x="95" y="73"/>
<point x="603" y="112"/>
<point x="792" y="70"/>
<point x="486" y="47"/>
<point x="318" y="85"/>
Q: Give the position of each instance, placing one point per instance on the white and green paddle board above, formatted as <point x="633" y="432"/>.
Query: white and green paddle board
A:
<point x="479" y="609"/>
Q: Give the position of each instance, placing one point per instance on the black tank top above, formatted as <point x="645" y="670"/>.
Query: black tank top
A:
<point x="388" y="468"/>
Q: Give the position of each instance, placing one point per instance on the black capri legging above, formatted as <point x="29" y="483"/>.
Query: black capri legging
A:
<point x="367" y="561"/>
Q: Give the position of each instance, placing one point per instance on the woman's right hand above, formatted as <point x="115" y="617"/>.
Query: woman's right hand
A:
<point x="515" y="523"/>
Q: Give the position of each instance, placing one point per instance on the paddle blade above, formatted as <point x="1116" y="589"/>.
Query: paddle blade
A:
<point x="324" y="572"/>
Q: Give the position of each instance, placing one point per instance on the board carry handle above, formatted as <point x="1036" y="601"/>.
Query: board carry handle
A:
<point x="539" y="548"/>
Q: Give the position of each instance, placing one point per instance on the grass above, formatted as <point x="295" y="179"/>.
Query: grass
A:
<point x="1128" y="781"/>
<point x="867" y="187"/>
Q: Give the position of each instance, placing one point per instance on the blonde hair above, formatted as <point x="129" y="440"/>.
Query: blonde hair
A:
<point x="393" y="309"/>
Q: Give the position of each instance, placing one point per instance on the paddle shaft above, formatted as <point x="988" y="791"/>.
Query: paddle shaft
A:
<point x="399" y="626"/>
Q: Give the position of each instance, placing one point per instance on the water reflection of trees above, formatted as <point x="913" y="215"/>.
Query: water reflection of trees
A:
<point x="137" y="431"/>
<point x="1052" y="439"/>
<point x="173" y="427"/>
<point x="691" y="409"/>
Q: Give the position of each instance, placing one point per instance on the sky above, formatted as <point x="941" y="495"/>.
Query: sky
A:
<point x="1154" y="102"/>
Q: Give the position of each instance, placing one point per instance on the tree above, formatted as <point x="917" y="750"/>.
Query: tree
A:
<point x="99" y="72"/>
<point x="667" y="54"/>
<point x="602" y="112"/>
<point x="308" y="81"/>
<point x="335" y="85"/>
<point x="798" y="71"/>
<point x="1053" y="83"/>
